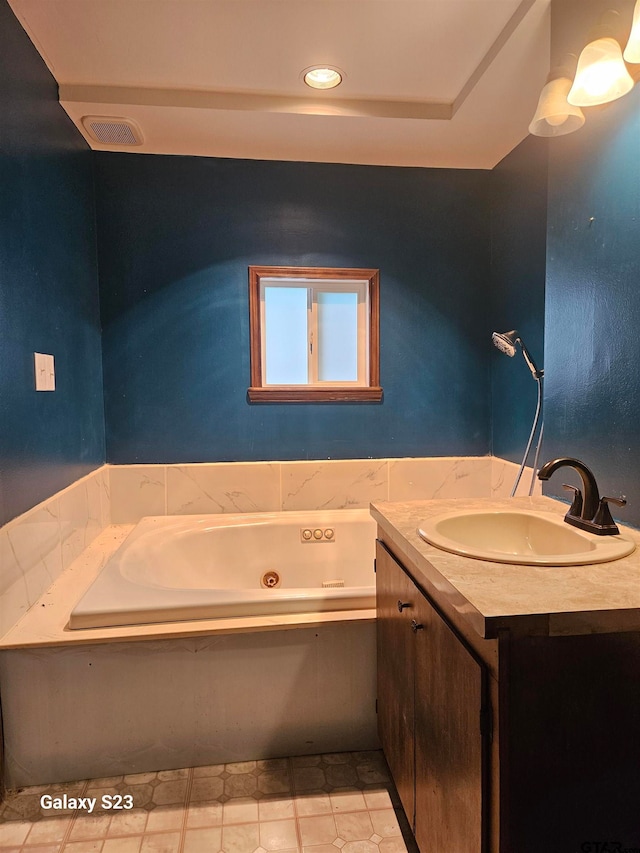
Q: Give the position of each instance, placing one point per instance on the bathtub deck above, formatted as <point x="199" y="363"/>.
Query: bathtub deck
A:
<point x="46" y="622"/>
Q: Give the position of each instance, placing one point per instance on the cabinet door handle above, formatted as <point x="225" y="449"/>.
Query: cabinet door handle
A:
<point x="415" y="626"/>
<point x="402" y="605"/>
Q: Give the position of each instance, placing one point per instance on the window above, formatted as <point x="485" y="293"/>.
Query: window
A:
<point x="314" y="334"/>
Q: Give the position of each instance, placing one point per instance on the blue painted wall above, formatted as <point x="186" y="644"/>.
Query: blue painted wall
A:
<point x="48" y="284"/>
<point x="593" y="284"/>
<point x="593" y="300"/>
<point x="518" y="260"/>
<point x="176" y="235"/>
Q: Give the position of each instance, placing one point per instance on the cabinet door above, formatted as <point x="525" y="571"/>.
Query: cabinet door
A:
<point x="396" y="645"/>
<point x="449" y="694"/>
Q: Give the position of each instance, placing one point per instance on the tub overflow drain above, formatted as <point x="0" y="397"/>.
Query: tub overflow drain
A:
<point x="270" y="579"/>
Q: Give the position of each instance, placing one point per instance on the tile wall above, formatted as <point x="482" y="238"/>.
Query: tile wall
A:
<point x="139" y="490"/>
<point x="37" y="546"/>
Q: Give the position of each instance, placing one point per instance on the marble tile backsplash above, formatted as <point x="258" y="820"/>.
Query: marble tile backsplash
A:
<point x="334" y="484"/>
<point x="503" y="476"/>
<point x="36" y="547"/>
<point x="80" y="517"/>
<point x="137" y="491"/>
<point x="231" y="487"/>
<point x="223" y="487"/>
<point x="439" y="478"/>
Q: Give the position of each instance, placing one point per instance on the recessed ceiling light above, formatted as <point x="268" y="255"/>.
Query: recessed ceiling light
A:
<point x="322" y="77"/>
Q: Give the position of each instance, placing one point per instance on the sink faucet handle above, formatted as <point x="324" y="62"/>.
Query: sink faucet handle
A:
<point x="616" y="501"/>
<point x="603" y="516"/>
<point x="576" y="507"/>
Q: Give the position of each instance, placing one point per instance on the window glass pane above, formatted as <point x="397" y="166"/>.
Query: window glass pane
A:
<point x="285" y="335"/>
<point x="337" y="336"/>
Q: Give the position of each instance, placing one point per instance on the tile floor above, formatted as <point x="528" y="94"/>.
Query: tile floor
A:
<point x="311" y="804"/>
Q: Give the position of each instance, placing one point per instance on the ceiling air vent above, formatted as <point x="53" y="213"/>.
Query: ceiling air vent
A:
<point x="111" y="130"/>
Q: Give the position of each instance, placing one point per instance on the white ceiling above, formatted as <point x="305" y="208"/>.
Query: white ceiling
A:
<point x="444" y="83"/>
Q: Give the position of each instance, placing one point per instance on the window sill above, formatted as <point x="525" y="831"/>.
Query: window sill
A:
<point x="295" y="394"/>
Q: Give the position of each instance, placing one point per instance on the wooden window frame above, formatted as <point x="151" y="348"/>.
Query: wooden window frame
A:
<point x="261" y="393"/>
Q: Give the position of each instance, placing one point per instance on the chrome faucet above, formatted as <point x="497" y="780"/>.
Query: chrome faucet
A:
<point x="588" y="511"/>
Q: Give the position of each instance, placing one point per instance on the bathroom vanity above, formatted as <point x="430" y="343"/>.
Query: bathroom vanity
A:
<point x="508" y="695"/>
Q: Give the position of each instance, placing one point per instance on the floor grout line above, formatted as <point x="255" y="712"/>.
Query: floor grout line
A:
<point x="295" y="804"/>
<point x="185" y="808"/>
<point x="72" y="822"/>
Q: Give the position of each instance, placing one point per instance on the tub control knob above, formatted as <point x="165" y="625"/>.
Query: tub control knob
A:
<point x="307" y="534"/>
<point x="328" y="534"/>
<point x="317" y="533"/>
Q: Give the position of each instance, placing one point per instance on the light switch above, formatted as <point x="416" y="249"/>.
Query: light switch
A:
<point x="45" y="372"/>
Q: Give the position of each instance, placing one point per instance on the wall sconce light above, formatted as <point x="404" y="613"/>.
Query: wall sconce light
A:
<point x="555" y="116"/>
<point x="602" y="75"/>
<point x="632" y="50"/>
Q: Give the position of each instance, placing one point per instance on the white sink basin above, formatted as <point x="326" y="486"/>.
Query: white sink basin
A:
<point x="526" y="538"/>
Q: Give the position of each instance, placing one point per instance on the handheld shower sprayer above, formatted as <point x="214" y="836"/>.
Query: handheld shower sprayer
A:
<point x="506" y="343"/>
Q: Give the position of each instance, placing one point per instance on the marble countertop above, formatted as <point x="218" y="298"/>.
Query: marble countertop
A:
<point x="546" y="600"/>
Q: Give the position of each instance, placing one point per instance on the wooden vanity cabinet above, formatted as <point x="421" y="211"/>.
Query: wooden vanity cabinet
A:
<point x="396" y="597"/>
<point x="432" y="706"/>
<point x="525" y="743"/>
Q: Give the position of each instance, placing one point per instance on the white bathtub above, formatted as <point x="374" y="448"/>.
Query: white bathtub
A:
<point x="175" y="568"/>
